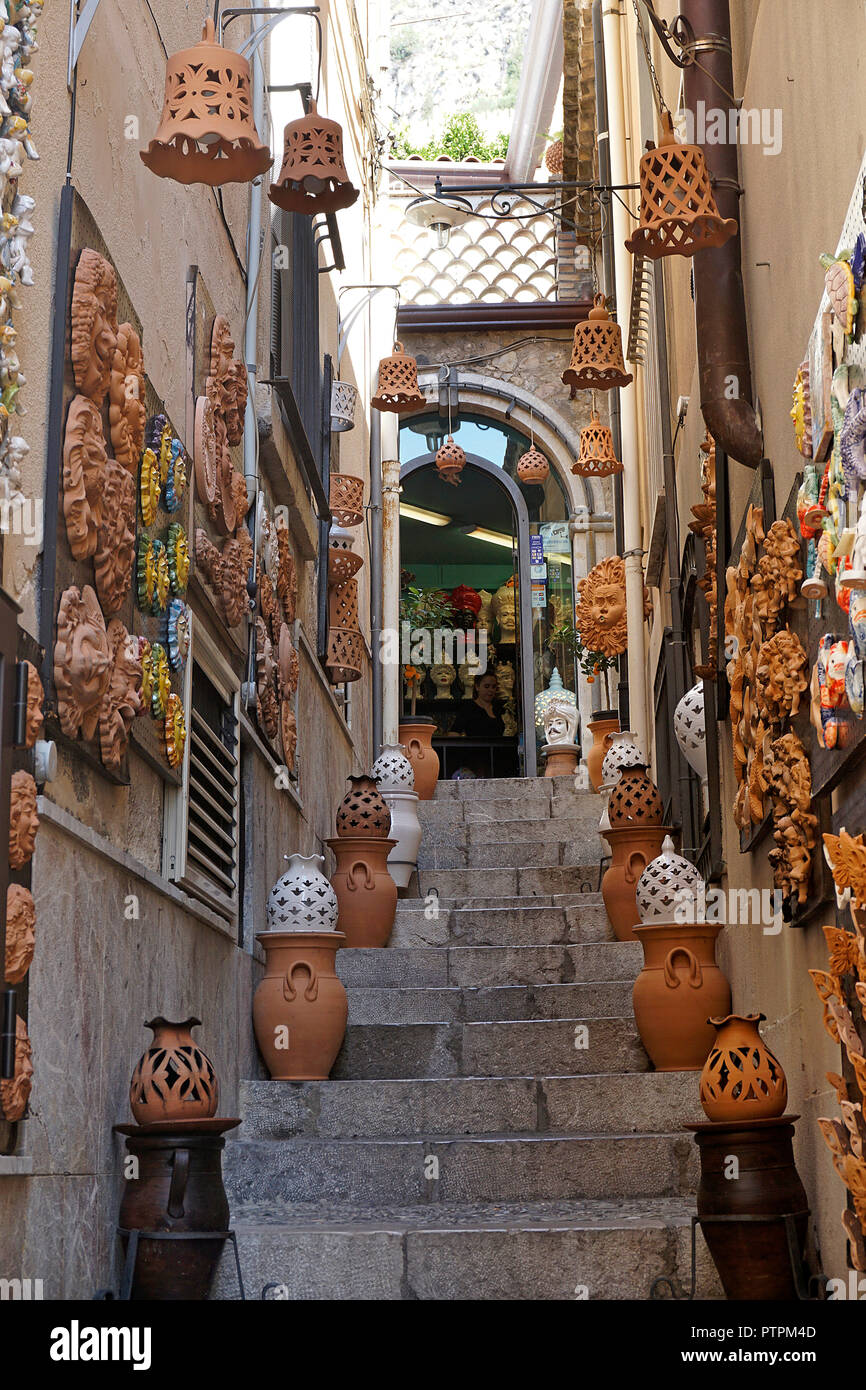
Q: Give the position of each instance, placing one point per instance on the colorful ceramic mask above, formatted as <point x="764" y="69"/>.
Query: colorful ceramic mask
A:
<point x="175" y="730"/>
<point x="161" y="681"/>
<point x="162" y="577"/>
<point x="857" y="621"/>
<point x="852" y="440"/>
<point x="854" y="682"/>
<point x="178" y="558"/>
<point x="177" y="633"/>
<point x="149" y="487"/>
<point x="146" y="574"/>
<point x="175" y="484"/>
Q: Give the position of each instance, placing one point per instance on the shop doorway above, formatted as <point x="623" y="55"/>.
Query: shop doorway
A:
<point x="501" y="550"/>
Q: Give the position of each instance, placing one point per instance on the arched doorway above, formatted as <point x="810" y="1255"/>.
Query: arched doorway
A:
<point x="489" y="534"/>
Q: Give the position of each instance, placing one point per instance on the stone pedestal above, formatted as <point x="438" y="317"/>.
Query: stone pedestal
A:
<point x="561" y="759"/>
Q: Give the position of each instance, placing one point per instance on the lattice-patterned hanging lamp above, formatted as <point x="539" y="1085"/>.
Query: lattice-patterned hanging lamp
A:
<point x="313" y="177"/>
<point x="207" y="133"/>
<point x="532" y="467"/>
<point x="597" y="458"/>
<point x="346" y="499"/>
<point x="343" y="561"/>
<point x="678" y="213"/>
<point x="597" y="362"/>
<point x="450" y="461"/>
<point x="343" y="397"/>
<point x="398" y="383"/>
<point x="345" y="644"/>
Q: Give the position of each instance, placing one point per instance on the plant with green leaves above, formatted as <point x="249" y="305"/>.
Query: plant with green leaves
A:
<point x="461" y="138"/>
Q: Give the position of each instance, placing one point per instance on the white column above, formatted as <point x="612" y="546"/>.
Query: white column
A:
<point x="390" y="577"/>
<point x="620" y="173"/>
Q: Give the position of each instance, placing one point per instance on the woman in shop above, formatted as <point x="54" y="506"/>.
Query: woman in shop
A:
<point x="479" y="720"/>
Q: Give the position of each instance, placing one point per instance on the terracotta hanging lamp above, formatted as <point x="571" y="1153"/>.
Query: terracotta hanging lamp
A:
<point x="532" y="467"/>
<point x="678" y="213"/>
<point x="597" y="362"/>
<point x="450" y="461"/>
<point x="597" y="458"/>
<point x="207" y="133"/>
<point x="398" y="383"/>
<point x="313" y="177"/>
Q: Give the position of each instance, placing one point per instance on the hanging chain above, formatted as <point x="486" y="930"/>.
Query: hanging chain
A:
<point x="660" y="101"/>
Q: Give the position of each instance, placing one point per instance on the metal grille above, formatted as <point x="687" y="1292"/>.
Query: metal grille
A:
<point x="212" y="809"/>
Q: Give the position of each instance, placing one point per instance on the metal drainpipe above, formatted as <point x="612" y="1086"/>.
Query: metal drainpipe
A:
<point x="720" y="305"/>
<point x="603" y="142"/>
<point x="632" y="531"/>
<point x="390" y="472"/>
<point x="251" y="425"/>
<point x="376" y="576"/>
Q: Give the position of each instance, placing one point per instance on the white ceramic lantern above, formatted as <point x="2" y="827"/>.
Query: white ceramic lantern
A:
<point x="690" y="727"/>
<point x="395" y="777"/>
<point x="623" y="753"/>
<point x="670" y="889"/>
<point x="303" y="899"/>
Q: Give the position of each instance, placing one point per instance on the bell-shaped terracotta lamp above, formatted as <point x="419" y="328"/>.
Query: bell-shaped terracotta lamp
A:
<point x="532" y="467"/>
<point x="678" y="213"/>
<point x="313" y="177"/>
<point x="398" y="383"/>
<point x="207" y="133"/>
<point x="596" y="360"/>
<point x="597" y="458"/>
<point x="450" y="461"/>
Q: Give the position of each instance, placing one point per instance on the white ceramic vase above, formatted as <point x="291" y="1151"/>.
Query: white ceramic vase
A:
<point x="303" y="899"/>
<point x="395" y="778"/>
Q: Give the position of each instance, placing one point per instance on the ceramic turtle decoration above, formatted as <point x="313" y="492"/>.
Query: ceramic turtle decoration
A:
<point x="839" y="283"/>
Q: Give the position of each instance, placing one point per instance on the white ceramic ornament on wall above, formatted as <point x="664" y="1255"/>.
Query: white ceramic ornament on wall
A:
<point x="302" y="899"/>
<point x="668" y="886"/>
<point x="691" y="730"/>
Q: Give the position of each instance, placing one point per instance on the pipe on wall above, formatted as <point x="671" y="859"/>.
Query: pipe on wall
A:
<point x="376" y="577"/>
<point x="390" y="476"/>
<point x="720" y="307"/>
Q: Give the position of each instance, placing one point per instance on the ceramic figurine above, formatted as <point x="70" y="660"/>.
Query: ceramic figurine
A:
<point x="178" y="558"/>
<point x="852" y="442"/>
<point x="801" y="411"/>
<point x="839" y="283"/>
<point x="854" y="682"/>
<point x="178" y="624"/>
<point x="161" y="678"/>
<point x="560" y="722"/>
<point x="829" y="673"/>
<point x="443" y="676"/>
<point x="82" y="661"/>
<point x="505" y="678"/>
<point x="857" y="621"/>
<point x="504" y="610"/>
<point x="175" y="730"/>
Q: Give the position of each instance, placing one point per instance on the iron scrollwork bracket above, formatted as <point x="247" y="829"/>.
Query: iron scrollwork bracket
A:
<point x="679" y="31"/>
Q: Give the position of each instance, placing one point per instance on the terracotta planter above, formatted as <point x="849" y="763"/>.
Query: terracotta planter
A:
<point x="560" y="759"/>
<point x="601" y="729"/>
<point x="679" y="987"/>
<point x="416" y="736"/>
<point x="174" y="1079"/>
<point x="751" y="1255"/>
<point x="366" y="892"/>
<point x="632" y="847"/>
<point x="300" y="1007"/>
<point x="741" y="1079"/>
<point x="179" y="1187"/>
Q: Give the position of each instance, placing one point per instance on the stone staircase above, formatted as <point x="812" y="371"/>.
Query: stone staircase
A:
<point x="491" y="1129"/>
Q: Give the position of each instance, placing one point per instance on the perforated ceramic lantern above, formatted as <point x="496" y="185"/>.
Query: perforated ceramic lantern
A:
<point x="363" y="810"/>
<point x="207" y="133"/>
<point x="635" y="800"/>
<point x="678" y="213"/>
<point x="597" y="362"/>
<point x="343" y="398"/>
<point x="532" y="467"/>
<point x="398" y="383"/>
<point x="303" y="899"/>
<point x="392" y="770"/>
<point x="623" y="753"/>
<point x="450" y="461"/>
<point x="313" y="176"/>
<point x="668" y="886"/>
<point x="690" y="727"/>
<point x="343" y="561"/>
<point x="597" y="457"/>
<point x="346" y="499"/>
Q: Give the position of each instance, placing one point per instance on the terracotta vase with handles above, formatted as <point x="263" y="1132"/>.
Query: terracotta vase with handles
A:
<point x="366" y="892"/>
<point x="679" y="987"/>
<point x="416" y="736"/>
<point x="601" y="727"/>
<point x="741" y="1079"/>
<point x="632" y="847"/>
<point x="300" y="1007"/>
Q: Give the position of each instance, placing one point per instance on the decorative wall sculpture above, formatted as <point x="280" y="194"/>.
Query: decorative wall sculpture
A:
<point x="114" y="556"/>
<point x="20" y="932"/>
<point x="35" y="720"/>
<point x="14" y="1094"/>
<point x="175" y="730"/>
<point x="795" y="826"/>
<point x="266" y="669"/>
<point x="94" y="324"/>
<point x="226" y="571"/>
<point x="23" y="819"/>
<point x="82" y="661"/>
<point x="84" y="476"/>
<point x="600" y="612"/>
<point x="704" y="526"/>
<point x="126" y="410"/>
<point x="205" y="451"/>
<point x="288" y="733"/>
<point x="122" y="699"/>
<point x="781" y="676"/>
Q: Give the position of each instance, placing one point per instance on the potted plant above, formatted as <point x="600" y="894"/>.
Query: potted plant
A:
<point x="421" y="611"/>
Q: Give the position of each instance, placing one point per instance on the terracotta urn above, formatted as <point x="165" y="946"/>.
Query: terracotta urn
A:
<point x="300" y="1007"/>
<point x="741" y="1079"/>
<point x="174" y="1079"/>
<point x="363" y="810"/>
<point x="366" y="892"/>
<point x="679" y="987"/>
<point x="632" y="847"/>
<point x="602" y="727"/>
<point x="416" y="736"/>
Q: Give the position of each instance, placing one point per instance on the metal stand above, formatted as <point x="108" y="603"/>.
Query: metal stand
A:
<point x="603" y="864"/>
<point x="802" y="1284"/>
<point x="132" y="1254"/>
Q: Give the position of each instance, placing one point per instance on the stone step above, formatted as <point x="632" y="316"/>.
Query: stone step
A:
<point x="523" y="831"/>
<point x="495" y="789"/>
<point x="600" y="999"/>
<point x="517" y="1251"/>
<point x="435" y="967"/>
<point x="493" y="926"/>
<point x="634" y="1102"/>
<point x="539" y="881"/>
<point x="532" y="810"/>
<point x="539" y="1047"/>
<point x="590" y="895"/>
<point x="582" y="851"/>
<point x="502" y="1168"/>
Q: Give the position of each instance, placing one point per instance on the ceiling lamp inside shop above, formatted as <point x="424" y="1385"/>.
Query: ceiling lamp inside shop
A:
<point x="596" y="359"/>
<point x="678" y="213"/>
<point x="207" y="133"/>
<point x="441" y="214"/>
<point x="313" y="177"/>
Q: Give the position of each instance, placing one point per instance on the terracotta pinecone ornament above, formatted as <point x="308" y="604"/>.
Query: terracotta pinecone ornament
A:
<point x="20" y="932"/>
<point x="82" y="661"/>
<point x="93" y="324"/>
<point x="600" y="613"/>
<point x="23" y="819"/>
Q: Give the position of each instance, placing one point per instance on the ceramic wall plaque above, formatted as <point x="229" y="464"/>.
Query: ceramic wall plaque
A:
<point x="20" y="932"/>
<point x="15" y="1093"/>
<point x="600" y="613"/>
<point x="114" y="557"/>
<point x="23" y="819"/>
<point x="94" y="324"/>
<point x="126" y="409"/>
<point x="84" y="476"/>
<point x="226" y="570"/>
<point x="122" y="699"/>
<point x="35" y="720"/>
<point x="82" y="661"/>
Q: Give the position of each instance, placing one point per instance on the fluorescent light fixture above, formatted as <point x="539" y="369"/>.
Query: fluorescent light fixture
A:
<point x="421" y="514"/>
<point x="491" y="537"/>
